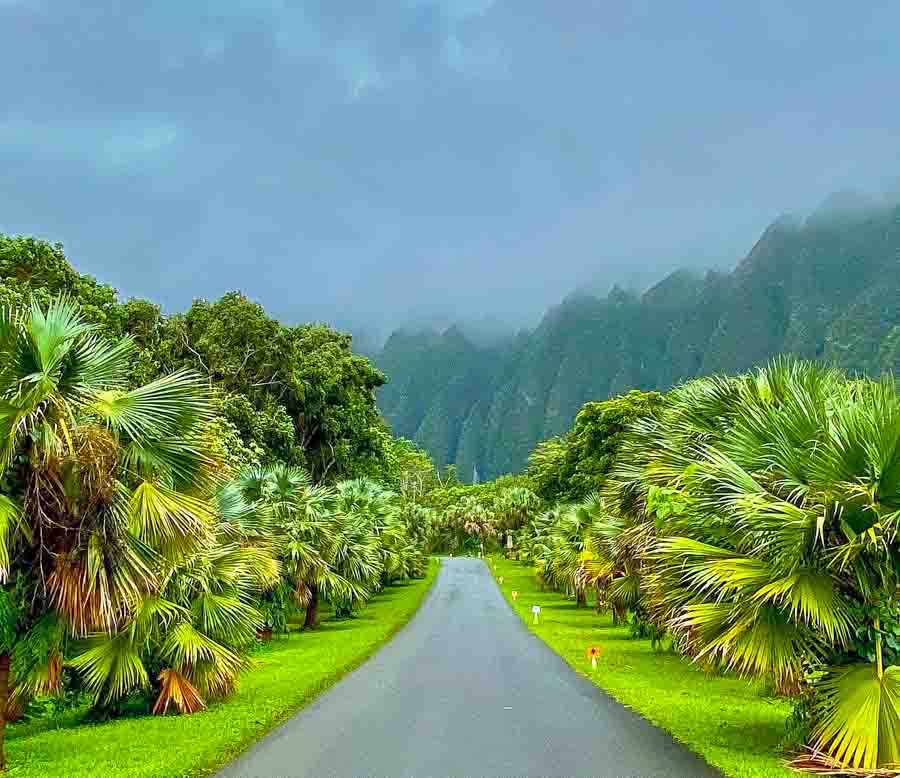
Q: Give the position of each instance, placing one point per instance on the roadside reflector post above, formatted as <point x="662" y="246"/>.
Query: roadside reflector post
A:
<point x="515" y="595"/>
<point x="536" y="611"/>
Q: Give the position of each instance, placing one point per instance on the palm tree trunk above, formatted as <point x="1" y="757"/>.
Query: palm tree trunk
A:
<point x="312" y="608"/>
<point x="580" y="597"/>
<point x="4" y="705"/>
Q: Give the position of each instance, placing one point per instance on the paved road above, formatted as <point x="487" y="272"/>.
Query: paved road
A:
<point x="466" y="690"/>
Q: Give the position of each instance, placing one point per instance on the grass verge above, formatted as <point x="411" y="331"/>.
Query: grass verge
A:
<point x="292" y="671"/>
<point x="729" y="721"/>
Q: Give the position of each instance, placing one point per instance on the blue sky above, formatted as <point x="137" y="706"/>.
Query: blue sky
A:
<point x="372" y="162"/>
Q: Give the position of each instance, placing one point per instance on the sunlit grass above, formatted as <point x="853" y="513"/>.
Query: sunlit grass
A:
<point x="292" y="670"/>
<point x="727" y="720"/>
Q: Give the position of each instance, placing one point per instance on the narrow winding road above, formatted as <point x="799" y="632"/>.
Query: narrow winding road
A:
<point x="466" y="690"/>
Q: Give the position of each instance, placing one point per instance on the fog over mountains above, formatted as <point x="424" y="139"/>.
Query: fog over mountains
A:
<point x="826" y="287"/>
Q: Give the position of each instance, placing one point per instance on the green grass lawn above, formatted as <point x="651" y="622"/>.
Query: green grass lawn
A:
<point x="292" y="670"/>
<point x="727" y="720"/>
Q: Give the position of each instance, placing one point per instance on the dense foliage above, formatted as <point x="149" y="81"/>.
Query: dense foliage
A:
<point x="823" y="289"/>
<point x="297" y="395"/>
<point x="174" y="489"/>
<point x="572" y="466"/>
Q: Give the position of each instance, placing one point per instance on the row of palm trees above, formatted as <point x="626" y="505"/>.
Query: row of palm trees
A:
<point x="131" y="554"/>
<point x="754" y="521"/>
<point x="477" y="520"/>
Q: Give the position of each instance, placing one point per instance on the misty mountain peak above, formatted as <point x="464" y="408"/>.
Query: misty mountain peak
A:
<point x="845" y="204"/>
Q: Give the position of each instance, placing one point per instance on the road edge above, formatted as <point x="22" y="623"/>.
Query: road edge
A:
<point x="492" y="570"/>
<point x="225" y="759"/>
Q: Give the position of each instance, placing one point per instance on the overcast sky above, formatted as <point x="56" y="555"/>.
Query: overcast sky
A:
<point x="371" y="162"/>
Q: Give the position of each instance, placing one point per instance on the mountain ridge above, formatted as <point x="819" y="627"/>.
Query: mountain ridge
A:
<point x="824" y="288"/>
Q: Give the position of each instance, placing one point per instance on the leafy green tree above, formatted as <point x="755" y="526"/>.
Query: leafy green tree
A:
<point x="547" y="470"/>
<point x="572" y="467"/>
<point x="33" y="269"/>
<point x="407" y="469"/>
<point x="300" y="392"/>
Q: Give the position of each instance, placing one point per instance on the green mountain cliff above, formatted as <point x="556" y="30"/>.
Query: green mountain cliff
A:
<point x="825" y="288"/>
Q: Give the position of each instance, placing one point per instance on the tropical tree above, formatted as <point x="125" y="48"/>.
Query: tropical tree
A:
<point x="300" y="391"/>
<point x="564" y="562"/>
<point x="302" y="523"/>
<point x="512" y="509"/>
<point x="781" y="560"/>
<point x="33" y="269"/>
<point x="369" y="542"/>
<point x="613" y="563"/>
<point x="98" y="484"/>
<point x="420" y="522"/>
<point x="187" y="638"/>
<point x="469" y="523"/>
<point x="533" y="539"/>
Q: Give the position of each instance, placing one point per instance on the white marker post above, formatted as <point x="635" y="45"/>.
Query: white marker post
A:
<point x="515" y="595"/>
<point x="500" y="579"/>
<point x="536" y="610"/>
<point x="594" y="662"/>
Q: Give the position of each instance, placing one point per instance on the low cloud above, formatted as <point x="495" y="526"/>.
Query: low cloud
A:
<point x="368" y="163"/>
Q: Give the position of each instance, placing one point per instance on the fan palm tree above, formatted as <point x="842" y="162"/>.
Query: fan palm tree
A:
<point x="420" y="522"/>
<point x="196" y="625"/>
<point x="613" y="560"/>
<point x="469" y="523"/>
<point x="512" y="508"/>
<point x="783" y="548"/>
<point x="97" y="484"/>
<point x="565" y="550"/>
<point x="303" y="525"/>
<point x="533" y="542"/>
<point x="361" y="510"/>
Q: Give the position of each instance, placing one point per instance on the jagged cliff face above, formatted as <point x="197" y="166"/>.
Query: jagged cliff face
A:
<point x="827" y="288"/>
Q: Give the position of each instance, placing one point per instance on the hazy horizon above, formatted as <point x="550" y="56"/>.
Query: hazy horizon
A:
<point x="430" y="160"/>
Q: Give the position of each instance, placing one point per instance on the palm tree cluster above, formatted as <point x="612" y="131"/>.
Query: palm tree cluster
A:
<point x="484" y="517"/>
<point x="754" y="521"/>
<point x="130" y="556"/>
<point x="341" y="543"/>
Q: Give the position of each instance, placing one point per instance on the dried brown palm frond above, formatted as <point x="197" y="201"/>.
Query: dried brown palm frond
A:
<point x="818" y="763"/>
<point x="178" y="691"/>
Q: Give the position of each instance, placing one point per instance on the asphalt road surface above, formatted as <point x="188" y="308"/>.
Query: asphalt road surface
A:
<point x="466" y="690"/>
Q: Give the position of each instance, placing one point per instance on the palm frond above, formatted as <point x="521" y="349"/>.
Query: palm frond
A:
<point x="226" y="617"/>
<point x="169" y="521"/>
<point x="859" y="723"/>
<point x="177" y="690"/>
<point x="11" y="527"/>
<point x="169" y="407"/>
<point x="112" y="667"/>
